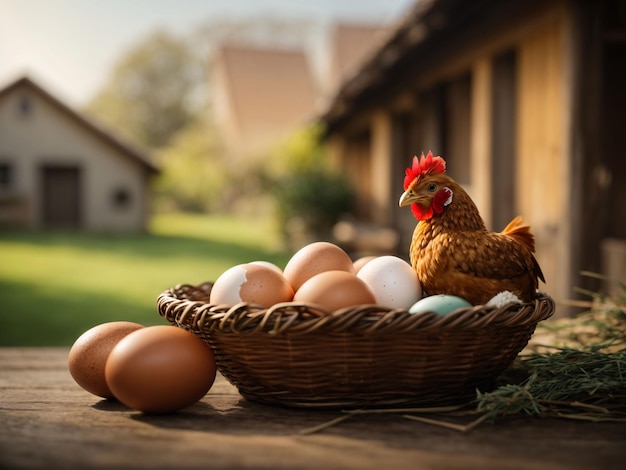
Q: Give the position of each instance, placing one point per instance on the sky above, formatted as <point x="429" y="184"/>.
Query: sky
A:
<point x="71" y="46"/>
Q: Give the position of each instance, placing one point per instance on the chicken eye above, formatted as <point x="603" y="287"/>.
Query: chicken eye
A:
<point x="432" y="187"/>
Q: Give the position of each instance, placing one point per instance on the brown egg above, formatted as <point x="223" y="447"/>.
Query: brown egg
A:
<point x="90" y="351"/>
<point x="316" y="258"/>
<point x="160" y="369"/>
<point x="253" y="283"/>
<point x="333" y="290"/>
<point x="359" y="263"/>
<point x="267" y="264"/>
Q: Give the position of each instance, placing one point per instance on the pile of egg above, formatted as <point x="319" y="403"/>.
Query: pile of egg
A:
<point x="154" y="369"/>
<point x="323" y="274"/>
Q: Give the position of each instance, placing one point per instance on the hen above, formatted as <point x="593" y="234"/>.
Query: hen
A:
<point x="453" y="252"/>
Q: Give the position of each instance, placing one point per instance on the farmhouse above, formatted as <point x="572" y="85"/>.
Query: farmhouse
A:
<point x="524" y="99"/>
<point x="59" y="169"/>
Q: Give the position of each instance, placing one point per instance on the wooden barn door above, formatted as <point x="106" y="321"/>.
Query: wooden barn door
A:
<point x="60" y="196"/>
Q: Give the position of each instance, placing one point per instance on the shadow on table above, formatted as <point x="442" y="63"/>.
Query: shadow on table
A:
<point x="238" y="416"/>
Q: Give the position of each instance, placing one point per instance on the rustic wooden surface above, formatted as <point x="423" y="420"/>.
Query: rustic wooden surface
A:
<point x="46" y="420"/>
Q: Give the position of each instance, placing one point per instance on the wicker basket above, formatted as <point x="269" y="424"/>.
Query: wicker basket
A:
<point x="297" y="355"/>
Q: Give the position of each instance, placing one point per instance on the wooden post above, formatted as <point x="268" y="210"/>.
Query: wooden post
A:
<point x="542" y="181"/>
<point x="480" y="138"/>
<point x="381" y="158"/>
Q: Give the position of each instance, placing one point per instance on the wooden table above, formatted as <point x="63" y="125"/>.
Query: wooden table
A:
<point x="46" y="420"/>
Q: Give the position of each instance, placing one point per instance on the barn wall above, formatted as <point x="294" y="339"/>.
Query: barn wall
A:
<point x="497" y="110"/>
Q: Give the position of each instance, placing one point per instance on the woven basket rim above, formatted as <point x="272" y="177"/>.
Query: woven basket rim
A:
<point x="187" y="305"/>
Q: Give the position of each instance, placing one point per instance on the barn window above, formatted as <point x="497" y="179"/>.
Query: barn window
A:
<point x="25" y="106"/>
<point x="6" y="175"/>
<point x="122" y="198"/>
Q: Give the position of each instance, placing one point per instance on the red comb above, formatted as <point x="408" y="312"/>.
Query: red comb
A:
<point x="426" y="165"/>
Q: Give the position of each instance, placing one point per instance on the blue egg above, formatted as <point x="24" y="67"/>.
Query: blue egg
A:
<point x="441" y="304"/>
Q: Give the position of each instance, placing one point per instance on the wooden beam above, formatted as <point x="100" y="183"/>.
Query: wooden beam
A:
<point x="382" y="146"/>
<point x="480" y="138"/>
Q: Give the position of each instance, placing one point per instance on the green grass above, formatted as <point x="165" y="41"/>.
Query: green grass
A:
<point x="56" y="285"/>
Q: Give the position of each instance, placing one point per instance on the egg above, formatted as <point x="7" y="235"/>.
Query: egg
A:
<point x="253" y="283"/>
<point x="333" y="290"/>
<point x="359" y="263"/>
<point x="160" y="369"/>
<point x="392" y="280"/>
<point x="316" y="258"/>
<point x="88" y="355"/>
<point x="441" y="304"/>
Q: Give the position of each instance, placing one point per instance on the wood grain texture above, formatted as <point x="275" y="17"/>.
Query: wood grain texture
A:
<point x="48" y="421"/>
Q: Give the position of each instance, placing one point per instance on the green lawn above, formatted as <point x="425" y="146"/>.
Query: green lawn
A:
<point x="54" y="286"/>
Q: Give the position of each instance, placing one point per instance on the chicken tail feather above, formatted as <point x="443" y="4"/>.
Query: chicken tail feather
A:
<point x="517" y="230"/>
<point x="520" y="232"/>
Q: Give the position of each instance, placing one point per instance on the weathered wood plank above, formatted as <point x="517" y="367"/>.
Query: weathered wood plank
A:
<point x="48" y="421"/>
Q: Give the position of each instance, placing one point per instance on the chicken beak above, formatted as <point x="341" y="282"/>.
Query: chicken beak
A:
<point x="408" y="197"/>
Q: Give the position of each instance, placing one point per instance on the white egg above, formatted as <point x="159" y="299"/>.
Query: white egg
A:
<point x="226" y="288"/>
<point x="392" y="280"/>
<point x="253" y="283"/>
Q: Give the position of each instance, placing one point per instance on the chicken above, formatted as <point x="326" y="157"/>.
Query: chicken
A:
<point x="452" y="251"/>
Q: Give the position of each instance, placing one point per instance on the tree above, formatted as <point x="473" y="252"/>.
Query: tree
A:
<point x="307" y="190"/>
<point x="153" y="91"/>
<point x="193" y="177"/>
